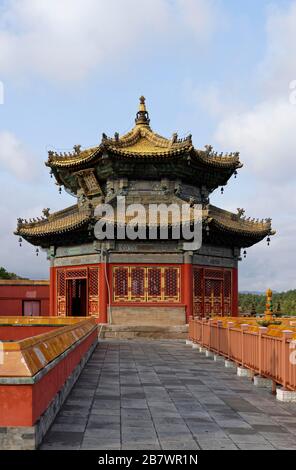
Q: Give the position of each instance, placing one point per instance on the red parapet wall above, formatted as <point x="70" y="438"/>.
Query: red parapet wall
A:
<point x="22" y="405"/>
<point x="27" y="391"/>
<point x="17" y="333"/>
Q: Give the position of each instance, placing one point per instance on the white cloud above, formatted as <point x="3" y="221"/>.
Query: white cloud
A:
<point x="278" y="68"/>
<point x="266" y="138"/>
<point x="69" y="39"/>
<point x="265" y="135"/>
<point x="15" y="159"/>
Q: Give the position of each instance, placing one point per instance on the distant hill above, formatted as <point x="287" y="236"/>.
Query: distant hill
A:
<point x="255" y="292"/>
<point x="6" y="275"/>
<point x="283" y="302"/>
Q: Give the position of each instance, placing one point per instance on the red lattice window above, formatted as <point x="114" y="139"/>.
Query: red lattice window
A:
<point x="154" y="284"/>
<point x="137" y="283"/>
<point x="76" y="274"/>
<point x="197" y="283"/>
<point x="61" y="283"/>
<point x="120" y="283"/>
<point x="213" y="296"/>
<point x="171" y="284"/>
<point x="146" y="284"/>
<point x="227" y="292"/>
<point x="93" y="291"/>
<point x="61" y="292"/>
<point x="93" y="282"/>
<point x="227" y="284"/>
<point x="197" y="291"/>
<point x="214" y="273"/>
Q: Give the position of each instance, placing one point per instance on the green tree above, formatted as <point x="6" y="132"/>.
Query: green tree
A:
<point x="6" y="275"/>
<point x="285" y="300"/>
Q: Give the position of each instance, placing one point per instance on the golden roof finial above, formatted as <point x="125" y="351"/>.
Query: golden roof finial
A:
<point x="142" y="106"/>
<point x="142" y="115"/>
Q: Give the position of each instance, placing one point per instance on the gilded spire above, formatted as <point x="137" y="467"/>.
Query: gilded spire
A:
<point x="142" y="117"/>
<point x="142" y="106"/>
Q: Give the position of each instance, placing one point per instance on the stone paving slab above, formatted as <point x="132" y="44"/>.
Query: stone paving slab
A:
<point x="163" y="395"/>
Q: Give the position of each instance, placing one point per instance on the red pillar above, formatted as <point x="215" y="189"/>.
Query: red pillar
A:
<point x="235" y="292"/>
<point x="52" y="291"/>
<point x="103" y="292"/>
<point x="188" y="285"/>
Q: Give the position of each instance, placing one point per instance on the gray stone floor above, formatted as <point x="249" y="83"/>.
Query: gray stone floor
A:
<point x="165" y="395"/>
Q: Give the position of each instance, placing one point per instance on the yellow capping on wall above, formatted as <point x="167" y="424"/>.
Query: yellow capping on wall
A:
<point x="287" y="323"/>
<point x="54" y="321"/>
<point x="27" y="357"/>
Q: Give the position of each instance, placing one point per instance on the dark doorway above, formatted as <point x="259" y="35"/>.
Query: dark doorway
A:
<point x="76" y="298"/>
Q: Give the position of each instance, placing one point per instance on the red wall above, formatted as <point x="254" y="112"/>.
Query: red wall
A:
<point x="12" y="296"/>
<point x="22" y="405"/>
<point x="17" y="333"/>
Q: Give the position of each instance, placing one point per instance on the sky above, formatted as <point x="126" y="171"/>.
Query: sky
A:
<point x="222" y="70"/>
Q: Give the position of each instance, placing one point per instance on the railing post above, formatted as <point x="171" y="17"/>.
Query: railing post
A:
<point x="219" y="326"/>
<point x="244" y="328"/>
<point x="230" y="325"/>
<point x="287" y="335"/>
<point x="191" y="329"/>
<point x="211" y="326"/>
<point x="203" y="321"/>
<point x="261" y="332"/>
<point x="194" y="328"/>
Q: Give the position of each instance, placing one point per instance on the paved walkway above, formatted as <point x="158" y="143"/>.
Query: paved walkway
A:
<point x="165" y="395"/>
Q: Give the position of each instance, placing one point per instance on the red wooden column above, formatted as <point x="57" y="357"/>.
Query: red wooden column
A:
<point x="103" y="296"/>
<point x="52" y="291"/>
<point x="188" y="284"/>
<point x="235" y="292"/>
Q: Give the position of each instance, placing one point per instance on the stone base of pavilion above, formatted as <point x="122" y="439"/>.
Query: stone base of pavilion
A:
<point x="141" y="332"/>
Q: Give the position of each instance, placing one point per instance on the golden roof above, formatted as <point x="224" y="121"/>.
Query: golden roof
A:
<point x="75" y="217"/>
<point x="142" y="142"/>
<point x="237" y="223"/>
<point x="63" y="221"/>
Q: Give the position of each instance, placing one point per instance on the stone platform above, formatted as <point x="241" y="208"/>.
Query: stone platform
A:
<point x="142" y="332"/>
<point x="165" y="395"/>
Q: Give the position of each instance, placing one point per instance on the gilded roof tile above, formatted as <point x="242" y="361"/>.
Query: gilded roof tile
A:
<point x="59" y="222"/>
<point x="142" y="142"/>
<point x="73" y="218"/>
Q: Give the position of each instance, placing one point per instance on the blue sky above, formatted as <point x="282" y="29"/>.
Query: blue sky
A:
<point x="219" y="69"/>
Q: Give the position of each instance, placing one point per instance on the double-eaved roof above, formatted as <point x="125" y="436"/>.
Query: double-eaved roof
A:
<point x="74" y="224"/>
<point x="139" y="154"/>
